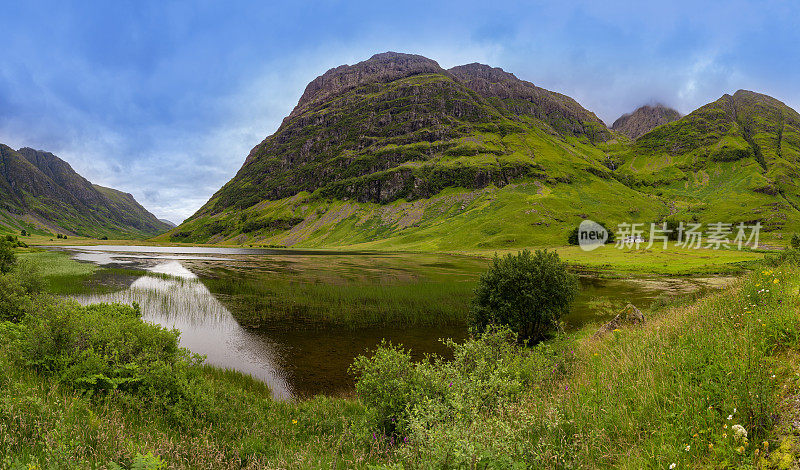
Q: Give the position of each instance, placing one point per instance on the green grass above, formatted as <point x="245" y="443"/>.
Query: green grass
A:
<point x="63" y="275"/>
<point x="634" y="399"/>
<point x="276" y="303"/>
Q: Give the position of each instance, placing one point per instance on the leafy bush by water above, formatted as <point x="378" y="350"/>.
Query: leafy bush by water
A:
<point x="528" y="293"/>
<point x="484" y="374"/>
<point x="106" y="349"/>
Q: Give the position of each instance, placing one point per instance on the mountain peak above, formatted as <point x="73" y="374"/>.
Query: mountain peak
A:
<point x="645" y="119"/>
<point x="380" y="68"/>
<point x="482" y="71"/>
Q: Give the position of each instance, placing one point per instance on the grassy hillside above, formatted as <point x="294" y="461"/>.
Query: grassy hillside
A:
<point x="43" y="195"/>
<point x="397" y="153"/>
<point x="734" y="160"/>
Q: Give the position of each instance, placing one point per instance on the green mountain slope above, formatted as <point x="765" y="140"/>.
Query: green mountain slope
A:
<point x="39" y="191"/>
<point x="396" y="147"/>
<point x="396" y="152"/>
<point x="734" y="160"/>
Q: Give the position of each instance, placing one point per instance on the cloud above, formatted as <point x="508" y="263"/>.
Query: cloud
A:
<point x="166" y="100"/>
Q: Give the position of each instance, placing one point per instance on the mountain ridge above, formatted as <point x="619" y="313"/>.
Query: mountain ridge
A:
<point x="42" y="192"/>
<point x="395" y="151"/>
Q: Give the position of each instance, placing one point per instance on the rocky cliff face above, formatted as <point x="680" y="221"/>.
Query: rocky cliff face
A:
<point x="645" y="119"/>
<point x="37" y="185"/>
<point x="379" y="130"/>
<point x="519" y="99"/>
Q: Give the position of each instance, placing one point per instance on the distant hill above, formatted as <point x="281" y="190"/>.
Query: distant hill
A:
<point x="644" y="120"/>
<point x="41" y="192"/>
<point x="396" y="152"/>
<point x="170" y="223"/>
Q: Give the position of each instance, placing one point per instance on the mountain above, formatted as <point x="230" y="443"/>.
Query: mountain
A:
<point x="397" y="152"/>
<point x="644" y="120"/>
<point x="168" y="222"/>
<point x="396" y="148"/>
<point x="734" y="160"/>
<point x="39" y="191"/>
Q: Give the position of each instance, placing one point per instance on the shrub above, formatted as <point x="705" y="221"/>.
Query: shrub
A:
<point x="7" y="257"/>
<point x="795" y="242"/>
<point x="107" y="348"/>
<point x="485" y="373"/>
<point x="572" y="238"/>
<point x="15" y="301"/>
<point x="528" y="293"/>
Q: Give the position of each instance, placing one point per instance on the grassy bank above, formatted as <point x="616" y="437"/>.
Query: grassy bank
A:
<point x="672" y="391"/>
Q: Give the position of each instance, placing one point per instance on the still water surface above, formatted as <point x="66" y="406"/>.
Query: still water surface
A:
<point x="297" y="361"/>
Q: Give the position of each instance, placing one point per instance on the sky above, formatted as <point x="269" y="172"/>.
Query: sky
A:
<point x="165" y="99"/>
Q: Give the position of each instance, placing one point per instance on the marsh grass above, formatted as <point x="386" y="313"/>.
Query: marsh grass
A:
<point x="267" y="302"/>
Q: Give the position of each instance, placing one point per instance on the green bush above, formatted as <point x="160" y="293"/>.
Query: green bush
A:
<point x="7" y="257"/>
<point x="107" y="348"/>
<point x="485" y="373"/>
<point x="528" y="293"/>
<point x="795" y="242"/>
<point x="17" y="289"/>
<point x="572" y="238"/>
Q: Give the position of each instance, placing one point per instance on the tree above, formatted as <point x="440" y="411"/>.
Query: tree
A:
<point x="7" y="257"/>
<point x="528" y="293"/>
<point x="572" y="238"/>
<point x="796" y="242"/>
<point x="24" y="233"/>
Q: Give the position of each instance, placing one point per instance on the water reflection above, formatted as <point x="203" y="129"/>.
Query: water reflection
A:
<point x="300" y="361"/>
<point x="182" y="302"/>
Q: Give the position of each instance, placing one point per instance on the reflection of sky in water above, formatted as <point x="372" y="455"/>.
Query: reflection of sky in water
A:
<point x="306" y="362"/>
<point x="206" y="326"/>
<point x="105" y="258"/>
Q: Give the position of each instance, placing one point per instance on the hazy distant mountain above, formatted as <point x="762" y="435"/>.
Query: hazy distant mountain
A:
<point x="171" y="224"/>
<point x="39" y="190"/>
<point x="645" y="119"/>
<point x="397" y="152"/>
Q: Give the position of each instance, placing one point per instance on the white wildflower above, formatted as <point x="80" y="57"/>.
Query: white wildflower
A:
<point x="739" y="432"/>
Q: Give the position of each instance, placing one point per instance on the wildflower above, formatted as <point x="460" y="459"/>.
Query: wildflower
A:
<point x="766" y="445"/>
<point x="673" y="465"/>
<point x="724" y="435"/>
<point x="710" y="446"/>
<point x="688" y="448"/>
<point x="695" y="435"/>
<point x="294" y="421"/>
<point x="739" y="432"/>
<point x="734" y="410"/>
<point x="740" y="449"/>
<point x="777" y="281"/>
<point x="451" y="384"/>
<point x="730" y="417"/>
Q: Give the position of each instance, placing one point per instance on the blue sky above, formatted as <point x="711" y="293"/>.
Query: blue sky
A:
<point x="164" y="99"/>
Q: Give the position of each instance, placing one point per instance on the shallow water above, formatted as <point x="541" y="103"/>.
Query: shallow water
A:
<point x="298" y="361"/>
